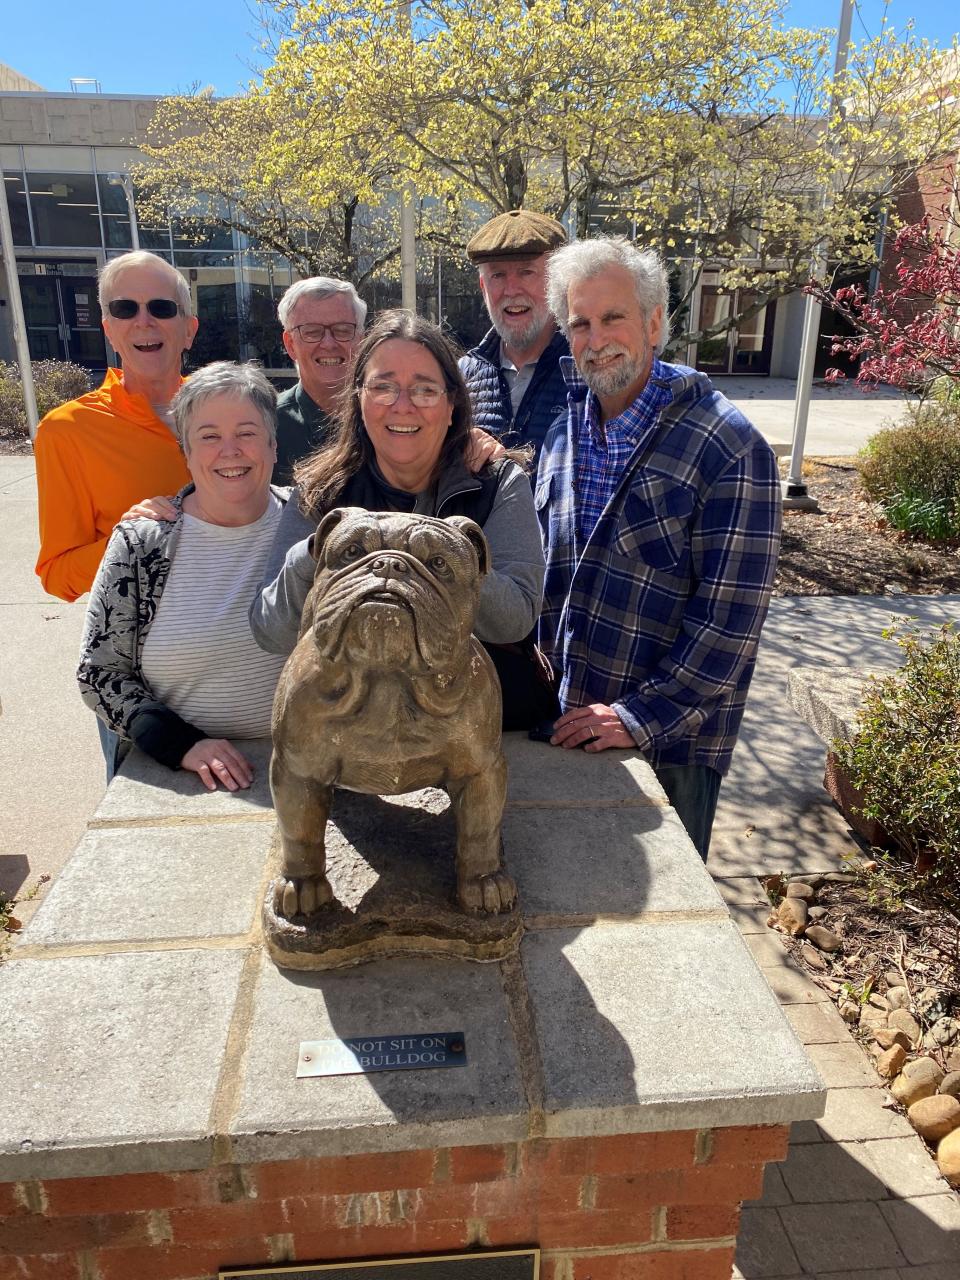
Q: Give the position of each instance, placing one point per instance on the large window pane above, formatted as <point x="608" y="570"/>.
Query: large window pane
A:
<point x="17" y="203"/>
<point x="192" y="230"/>
<point x="64" y="209"/>
<point x="218" y="337"/>
<point x="116" y="216"/>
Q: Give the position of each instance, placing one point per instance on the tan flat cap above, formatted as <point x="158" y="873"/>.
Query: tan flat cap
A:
<point x="519" y="233"/>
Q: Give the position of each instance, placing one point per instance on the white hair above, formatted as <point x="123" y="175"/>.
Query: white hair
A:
<point x="224" y="377"/>
<point x="106" y="277"/>
<point x="585" y="258"/>
<point x="319" y="287"/>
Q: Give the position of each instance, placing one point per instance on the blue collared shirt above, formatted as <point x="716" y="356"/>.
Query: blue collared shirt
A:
<point x="604" y="449"/>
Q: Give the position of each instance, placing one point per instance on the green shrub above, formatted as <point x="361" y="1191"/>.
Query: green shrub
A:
<point x="913" y="471"/>
<point x="55" y="382"/>
<point x="905" y="757"/>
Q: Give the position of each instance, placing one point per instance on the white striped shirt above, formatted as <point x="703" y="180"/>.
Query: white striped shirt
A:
<point x="199" y="657"/>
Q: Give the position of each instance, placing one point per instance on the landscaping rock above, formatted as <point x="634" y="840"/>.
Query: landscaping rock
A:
<point x="820" y="936"/>
<point x="943" y="1032"/>
<point x="953" y="1060"/>
<point x="798" y="889"/>
<point x="813" y="957"/>
<point x="898" y="997"/>
<point x="893" y="978"/>
<point x="815" y="879"/>
<point x="792" y="914"/>
<point x="850" y="1011"/>
<point x="817" y="913"/>
<point x="918" y="1079"/>
<point x="904" y="1021"/>
<point x="890" y="1061"/>
<point x="948" y="1157"/>
<point x="869" y="1018"/>
<point x="839" y="877"/>
<point x="950" y="1084"/>
<point x="887" y="1037"/>
<point x="935" y="1117"/>
<point x="878" y="1001"/>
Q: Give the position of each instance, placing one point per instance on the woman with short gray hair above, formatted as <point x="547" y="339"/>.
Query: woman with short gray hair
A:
<point x="167" y="659"/>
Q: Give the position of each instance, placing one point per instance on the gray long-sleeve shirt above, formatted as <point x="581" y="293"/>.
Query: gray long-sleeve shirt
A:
<point x="510" y="594"/>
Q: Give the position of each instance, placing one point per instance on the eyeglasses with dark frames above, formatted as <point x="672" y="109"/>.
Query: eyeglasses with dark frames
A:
<point x="342" y="331"/>
<point x="422" y="394"/>
<point x="159" y="308"/>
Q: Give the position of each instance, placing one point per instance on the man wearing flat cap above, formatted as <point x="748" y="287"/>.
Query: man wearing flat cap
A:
<point x="513" y="375"/>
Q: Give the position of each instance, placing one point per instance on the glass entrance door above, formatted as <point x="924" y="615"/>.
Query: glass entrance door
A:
<point x="62" y="314"/>
<point x="745" y="348"/>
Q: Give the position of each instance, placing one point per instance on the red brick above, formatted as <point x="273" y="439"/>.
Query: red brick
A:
<point x="119" y="1194"/>
<point x="216" y="1224"/>
<point x="702" y="1221"/>
<point x="395" y="1238"/>
<point x="446" y="1201"/>
<point x="47" y="1266"/>
<point x="749" y="1145"/>
<point x="35" y="1234"/>
<point x="513" y="1198"/>
<point x="552" y="1158"/>
<point x="683" y="1264"/>
<point x="10" y="1203"/>
<point x="178" y="1262"/>
<point x="346" y="1174"/>
<point x="481" y="1164"/>
<point x="617" y="1153"/>
<point x="571" y="1230"/>
<point x="716" y="1184"/>
<point x="639" y="1152"/>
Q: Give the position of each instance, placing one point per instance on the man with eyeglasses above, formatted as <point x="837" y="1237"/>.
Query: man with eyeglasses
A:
<point x="322" y="321"/>
<point x="100" y="453"/>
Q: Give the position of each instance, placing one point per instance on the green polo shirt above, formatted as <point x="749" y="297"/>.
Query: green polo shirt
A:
<point x="302" y="426"/>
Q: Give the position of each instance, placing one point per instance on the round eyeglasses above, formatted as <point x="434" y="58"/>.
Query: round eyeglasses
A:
<point x="342" y="331"/>
<point x="159" y="308"/>
<point x="422" y="394"/>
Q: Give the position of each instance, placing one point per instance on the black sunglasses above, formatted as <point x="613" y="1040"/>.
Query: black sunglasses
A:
<point x="159" y="308"/>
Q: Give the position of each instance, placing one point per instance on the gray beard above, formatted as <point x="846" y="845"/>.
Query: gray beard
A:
<point x="607" y="382"/>
<point x="521" y="339"/>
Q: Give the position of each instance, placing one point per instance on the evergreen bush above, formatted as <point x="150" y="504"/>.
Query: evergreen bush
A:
<point x="55" y="382"/>
<point x="905" y="756"/>
<point x="913" y="471"/>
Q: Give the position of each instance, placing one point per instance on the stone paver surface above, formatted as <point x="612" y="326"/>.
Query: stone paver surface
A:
<point x="859" y="1196"/>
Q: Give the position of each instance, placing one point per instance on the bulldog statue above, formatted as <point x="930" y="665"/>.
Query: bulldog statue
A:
<point x="388" y="691"/>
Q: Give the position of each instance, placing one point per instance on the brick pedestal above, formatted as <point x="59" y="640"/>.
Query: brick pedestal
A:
<point x="627" y="1074"/>
<point x="657" y="1205"/>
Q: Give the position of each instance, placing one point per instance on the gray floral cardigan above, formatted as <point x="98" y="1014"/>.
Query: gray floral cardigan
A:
<point x="123" y="604"/>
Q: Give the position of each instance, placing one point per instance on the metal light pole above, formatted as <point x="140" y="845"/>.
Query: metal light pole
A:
<point x="408" y="225"/>
<point x="794" y="487"/>
<point x="19" y="325"/>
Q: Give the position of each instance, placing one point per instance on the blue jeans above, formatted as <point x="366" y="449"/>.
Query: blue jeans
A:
<point x="110" y="744"/>
<point x="692" y="789"/>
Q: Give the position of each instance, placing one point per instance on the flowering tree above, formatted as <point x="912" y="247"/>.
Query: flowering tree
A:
<point x="908" y="330"/>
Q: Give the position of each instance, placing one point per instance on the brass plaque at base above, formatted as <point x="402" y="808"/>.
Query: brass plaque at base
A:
<point x="510" y="1264"/>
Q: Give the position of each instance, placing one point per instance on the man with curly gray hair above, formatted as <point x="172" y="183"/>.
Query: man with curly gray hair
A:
<point x="659" y="506"/>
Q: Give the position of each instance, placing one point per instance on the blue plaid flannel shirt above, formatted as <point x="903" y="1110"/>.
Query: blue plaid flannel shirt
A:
<point x="657" y="610"/>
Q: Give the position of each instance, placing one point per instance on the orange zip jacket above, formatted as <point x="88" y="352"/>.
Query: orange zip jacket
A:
<point x="97" y="456"/>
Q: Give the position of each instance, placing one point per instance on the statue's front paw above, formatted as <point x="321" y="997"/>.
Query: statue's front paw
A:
<point x="301" y="896"/>
<point x="492" y="894"/>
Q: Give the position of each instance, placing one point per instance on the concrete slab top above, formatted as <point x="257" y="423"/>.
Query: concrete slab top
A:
<point x="157" y="1033"/>
<point x="827" y="699"/>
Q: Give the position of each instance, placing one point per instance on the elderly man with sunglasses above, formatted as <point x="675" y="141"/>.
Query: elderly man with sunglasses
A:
<point x="99" y="454"/>
<point x="322" y="321"/>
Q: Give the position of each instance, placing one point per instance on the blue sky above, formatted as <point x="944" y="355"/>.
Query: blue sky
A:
<point x="168" y="49"/>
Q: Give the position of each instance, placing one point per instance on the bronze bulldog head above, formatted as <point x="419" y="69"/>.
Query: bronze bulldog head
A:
<point x="394" y="591"/>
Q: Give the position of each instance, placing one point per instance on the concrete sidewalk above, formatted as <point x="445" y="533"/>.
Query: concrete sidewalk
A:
<point x="859" y="1196"/>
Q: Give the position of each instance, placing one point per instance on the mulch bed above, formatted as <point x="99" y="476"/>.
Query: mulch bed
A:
<point x="848" y="549"/>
